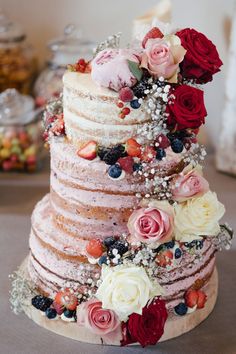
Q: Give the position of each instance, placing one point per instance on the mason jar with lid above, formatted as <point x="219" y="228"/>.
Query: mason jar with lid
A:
<point x="63" y="51"/>
<point x="21" y="144"/>
<point x="17" y="59"/>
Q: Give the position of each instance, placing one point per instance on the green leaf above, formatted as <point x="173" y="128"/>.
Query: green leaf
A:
<point x="135" y="69"/>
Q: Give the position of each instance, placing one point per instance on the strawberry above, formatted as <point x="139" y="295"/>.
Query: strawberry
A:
<point x="95" y="248"/>
<point x="133" y="148"/>
<point x="164" y="258"/>
<point x="201" y="299"/>
<point x="191" y="298"/>
<point x="126" y="94"/>
<point x="126" y="164"/>
<point x="153" y="33"/>
<point x="148" y="154"/>
<point x="88" y="151"/>
<point x="66" y="299"/>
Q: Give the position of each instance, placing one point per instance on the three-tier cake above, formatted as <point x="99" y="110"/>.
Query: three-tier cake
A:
<point x="122" y="249"/>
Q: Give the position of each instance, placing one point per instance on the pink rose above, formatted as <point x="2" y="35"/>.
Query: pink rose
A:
<point x="110" y="68"/>
<point x="162" y="57"/>
<point x="152" y="225"/>
<point x="188" y="185"/>
<point x="91" y="315"/>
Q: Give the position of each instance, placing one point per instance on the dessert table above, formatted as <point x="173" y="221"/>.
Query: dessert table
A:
<point x="19" y="335"/>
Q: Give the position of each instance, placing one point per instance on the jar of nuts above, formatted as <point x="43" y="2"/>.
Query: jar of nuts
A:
<point x="17" y="60"/>
<point x="21" y="145"/>
<point x="64" y="50"/>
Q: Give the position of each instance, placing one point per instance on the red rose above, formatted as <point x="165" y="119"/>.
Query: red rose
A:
<point x="187" y="110"/>
<point x="202" y="60"/>
<point x="147" y="328"/>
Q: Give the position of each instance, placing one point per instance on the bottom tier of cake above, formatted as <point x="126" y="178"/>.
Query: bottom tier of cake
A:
<point x="175" y="325"/>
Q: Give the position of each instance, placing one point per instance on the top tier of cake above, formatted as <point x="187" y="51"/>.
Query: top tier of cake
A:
<point x="91" y="113"/>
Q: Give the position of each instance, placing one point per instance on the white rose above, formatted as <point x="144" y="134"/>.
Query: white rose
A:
<point x="198" y="217"/>
<point x="126" y="290"/>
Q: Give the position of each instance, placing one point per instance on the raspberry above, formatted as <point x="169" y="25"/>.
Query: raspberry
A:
<point x="162" y="141"/>
<point x="126" y="94"/>
<point x="126" y="164"/>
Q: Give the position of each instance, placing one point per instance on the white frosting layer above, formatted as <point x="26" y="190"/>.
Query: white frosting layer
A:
<point x="91" y="113"/>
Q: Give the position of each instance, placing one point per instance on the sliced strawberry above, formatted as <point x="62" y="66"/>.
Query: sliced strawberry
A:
<point x="88" y="151"/>
<point x="153" y="33"/>
<point x="191" y="298"/>
<point x="164" y="258"/>
<point x="127" y="164"/>
<point x="95" y="248"/>
<point x="148" y="154"/>
<point x="201" y="299"/>
<point x="133" y="148"/>
<point x="66" y="299"/>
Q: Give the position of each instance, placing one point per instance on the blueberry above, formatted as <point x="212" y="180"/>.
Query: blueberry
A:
<point x="170" y="244"/>
<point x="121" y="248"/>
<point x="177" y="146"/>
<point x="178" y="253"/>
<point x="135" y="104"/>
<point x="102" y="260"/>
<point x="115" y="171"/>
<point x="69" y="313"/>
<point x="108" y="241"/>
<point x="51" y="313"/>
<point x="160" y="154"/>
<point x="41" y="302"/>
<point x="181" y="309"/>
<point x="137" y="167"/>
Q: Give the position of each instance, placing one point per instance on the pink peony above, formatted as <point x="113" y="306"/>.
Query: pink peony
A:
<point x="152" y="225"/>
<point x="110" y="68"/>
<point x="188" y="185"/>
<point x="91" y="315"/>
<point x="162" y="57"/>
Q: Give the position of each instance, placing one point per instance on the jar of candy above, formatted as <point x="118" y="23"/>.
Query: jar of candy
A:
<point x="21" y="145"/>
<point x="17" y="60"/>
<point x="63" y="51"/>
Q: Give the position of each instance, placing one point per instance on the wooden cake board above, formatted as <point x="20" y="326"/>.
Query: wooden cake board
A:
<point x="174" y="327"/>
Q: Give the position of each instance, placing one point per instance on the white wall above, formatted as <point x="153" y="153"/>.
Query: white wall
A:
<point x="44" y="19"/>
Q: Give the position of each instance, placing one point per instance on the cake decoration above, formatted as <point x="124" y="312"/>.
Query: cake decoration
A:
<point x="125" y="244"/>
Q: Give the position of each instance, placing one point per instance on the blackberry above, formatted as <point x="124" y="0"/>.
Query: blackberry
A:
<point x="102" y="151"/>
<point x="199" y="244"/>
<point x="159" y="249"/>
<point x="170" y="244"/>
<point x="111" y="157"/>
<point x="41" y="303"/>
<point x="108" y="241"/>
<point x="120" y="246"/>
<point x="140" y="87"/>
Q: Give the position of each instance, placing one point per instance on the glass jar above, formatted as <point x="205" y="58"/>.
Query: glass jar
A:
<point x="17" y="60"/>
<point x="63" y="51"/>
<point x="21" y="145"/>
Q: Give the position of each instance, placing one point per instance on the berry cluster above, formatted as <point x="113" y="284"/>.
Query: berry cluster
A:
<point x="193" y="299"/>
<point x="110" y="250"/>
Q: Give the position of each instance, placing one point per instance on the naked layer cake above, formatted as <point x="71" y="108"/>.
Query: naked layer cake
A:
<point x="123" y="247"/>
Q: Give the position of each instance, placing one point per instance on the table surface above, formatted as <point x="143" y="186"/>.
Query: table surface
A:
<point x="19" y="335"/>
